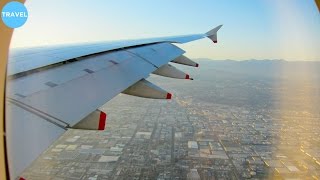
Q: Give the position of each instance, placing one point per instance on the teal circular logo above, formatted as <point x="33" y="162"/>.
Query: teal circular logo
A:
<point x="14" y="14"/>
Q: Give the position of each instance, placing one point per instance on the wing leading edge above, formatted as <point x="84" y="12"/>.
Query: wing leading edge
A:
<point x="51" y="89"/>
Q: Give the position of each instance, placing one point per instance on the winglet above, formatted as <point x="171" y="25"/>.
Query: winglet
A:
<point x="212" y="34"/>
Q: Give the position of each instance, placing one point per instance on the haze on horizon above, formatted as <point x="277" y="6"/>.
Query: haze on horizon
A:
<point x="265" y="29"/>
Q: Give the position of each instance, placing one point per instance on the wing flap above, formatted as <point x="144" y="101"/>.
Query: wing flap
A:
<point x="157" y="54"/>
<point x="87" y="93"/>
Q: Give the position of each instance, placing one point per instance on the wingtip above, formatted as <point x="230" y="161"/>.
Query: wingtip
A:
<point x="212" y="34"/>
<point x="214" y="30"/>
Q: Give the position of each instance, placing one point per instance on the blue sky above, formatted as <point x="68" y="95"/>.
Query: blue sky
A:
<point x="253" y="29"/>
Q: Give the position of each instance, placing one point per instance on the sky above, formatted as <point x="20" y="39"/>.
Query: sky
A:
<point x="252" y="29"/>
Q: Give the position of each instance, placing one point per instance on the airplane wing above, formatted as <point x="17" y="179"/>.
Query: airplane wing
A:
<point x="51" y="89"/>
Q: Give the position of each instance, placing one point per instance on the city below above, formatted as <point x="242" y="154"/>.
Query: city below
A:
<point x="235" y="120"/>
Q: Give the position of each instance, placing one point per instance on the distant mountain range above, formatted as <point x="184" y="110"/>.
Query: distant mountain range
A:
<point x="264" y="68"/>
